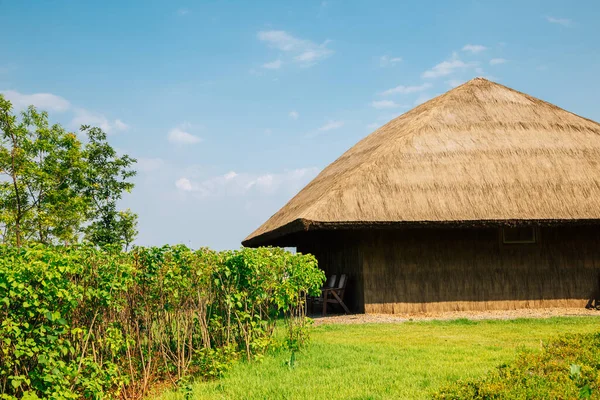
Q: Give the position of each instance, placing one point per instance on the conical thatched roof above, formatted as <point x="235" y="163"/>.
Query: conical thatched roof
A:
<point x="481" y="152"/>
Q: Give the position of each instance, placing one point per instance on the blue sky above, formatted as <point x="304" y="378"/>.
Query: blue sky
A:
<point x="232" y="107"/>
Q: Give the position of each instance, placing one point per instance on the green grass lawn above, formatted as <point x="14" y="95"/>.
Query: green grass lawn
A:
<point x="385" y="361"/>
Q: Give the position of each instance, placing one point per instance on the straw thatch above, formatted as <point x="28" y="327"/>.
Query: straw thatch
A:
<point x="480" y="152"/>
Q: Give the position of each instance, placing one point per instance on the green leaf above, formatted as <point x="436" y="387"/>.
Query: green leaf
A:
<point x="585" y="392"/>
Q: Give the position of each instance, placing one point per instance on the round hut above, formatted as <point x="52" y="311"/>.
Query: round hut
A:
<point x="481" y="198"/>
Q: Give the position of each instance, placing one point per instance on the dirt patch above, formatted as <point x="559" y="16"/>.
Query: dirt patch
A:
<point x="449" y="315"/>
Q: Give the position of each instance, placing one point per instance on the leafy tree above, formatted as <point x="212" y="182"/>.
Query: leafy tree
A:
<point x="106" y="179"/>
<point x="54" y="188"/>
<point x="41" y="164"/>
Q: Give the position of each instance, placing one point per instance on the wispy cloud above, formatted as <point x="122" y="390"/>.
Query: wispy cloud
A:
<point x="45" y="101"/>
<point x="240" y="184"/>
<point x="496" y="61"/>
<point x="301" y="51"/>
<point x="87" y="117"/>
<point x="180" y="135"/>
<point x="120" y="125"/>
<point x="474" y="48"/>
<point x="53" y="103"/>
<point x="386" y="104"/>
<point x="310" y="57"/>
<point x="281" y="40"/>
<point x="372" y="126"/>
<point x="401" y="89"/>
<point x="183" y="11"/>
<point x="184" y="184"/>
<point x="559" y="21"/>
<point x="331" y="125"/>
<point x="273" y="64"/>
<point x="387" y="61"/>
<point x="294" y="114"/>
<point x="448" y="67"/>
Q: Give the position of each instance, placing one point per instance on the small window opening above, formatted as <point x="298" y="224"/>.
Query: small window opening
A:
<point x="519" y="235"/>
<point x="290" y="249"/>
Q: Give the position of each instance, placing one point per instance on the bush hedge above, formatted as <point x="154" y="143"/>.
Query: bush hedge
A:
<point x="79" y="321"/>
<point x="566" y="368"/>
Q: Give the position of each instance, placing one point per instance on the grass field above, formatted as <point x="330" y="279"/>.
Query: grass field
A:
<point x="385" y="361"/>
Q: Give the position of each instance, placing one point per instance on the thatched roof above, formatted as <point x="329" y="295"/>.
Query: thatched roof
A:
<point x="480" y="152"/>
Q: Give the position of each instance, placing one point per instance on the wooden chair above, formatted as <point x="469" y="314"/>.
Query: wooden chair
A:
<point x="335" y="295"/>
<point x="328" y="285"/>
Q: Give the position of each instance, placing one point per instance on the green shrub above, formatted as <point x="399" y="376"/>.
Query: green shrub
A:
<point x="566" y="368"/>
<point x="83" y="322"/>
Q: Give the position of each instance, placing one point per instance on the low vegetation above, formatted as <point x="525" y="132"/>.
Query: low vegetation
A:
<point x="411" y="360"/>
<point x="83" y="322"/>
<point x="566" y="368"/>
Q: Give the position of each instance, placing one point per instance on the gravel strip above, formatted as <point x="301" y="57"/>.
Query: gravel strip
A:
<point x="444" y="316"/>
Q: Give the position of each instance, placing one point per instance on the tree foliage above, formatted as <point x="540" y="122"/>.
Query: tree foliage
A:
<point x="56" y="188"/>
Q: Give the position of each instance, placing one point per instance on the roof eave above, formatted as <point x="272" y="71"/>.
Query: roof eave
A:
<point x="272" y="237"/>
<point x="276" y="236"/>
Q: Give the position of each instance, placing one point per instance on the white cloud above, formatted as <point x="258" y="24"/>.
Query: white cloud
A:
<point x="273" y="64"/>
<point x="382" y="104"/>
<point x="407" y="89"/>
<point x="331" y="125"/>
<point x="496" y="61"/>
<point x="179" y="135"/>
<point x="308" y="56"/>
<point x="294" y="114"/>
<point x="120" y="125"/>
<point x="240" y="184"/>
<point x="447" y="67"/>
<point x="149" y="164"/>
<point x="474" y="48"/>
<point x="387" y="61"/>
<point x="560" y="21"/>
<point x="86" y="117"/>
<point x="230" y="175"/>
<point x="184" y="184"/>
<point x="45" y="101"/>
<point x="282" y="40"/>
<point x="373" y="126"/>
<point x="183" y="11"/>
<point x="303" y="52"/>
<point x="52" y="102"/>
